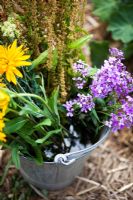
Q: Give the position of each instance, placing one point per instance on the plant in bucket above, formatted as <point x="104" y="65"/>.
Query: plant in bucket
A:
<point x="50" y="137"/>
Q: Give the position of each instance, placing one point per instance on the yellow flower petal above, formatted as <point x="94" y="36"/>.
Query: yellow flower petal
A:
<point x="1" y="115"/>
<point x="25" y="57"/>
<point x="8" y="76"/>
<point x="14" y="45"/>
<point x="17" y="73"/>
<point x="13" y="78"/>
<point x="2" y="137"/>
<point x="4" y="101"/>
<point x="2" y="125"/>
<point x="23" y="63"/>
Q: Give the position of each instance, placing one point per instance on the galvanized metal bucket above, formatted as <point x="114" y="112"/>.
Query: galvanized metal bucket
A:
<point x="60" y="173"/>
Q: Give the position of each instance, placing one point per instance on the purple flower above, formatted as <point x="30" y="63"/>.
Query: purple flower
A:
<point x="123" y="117"/>
<point x="114" y="52"/>
<point x="128" y="106"/>
<point x="69" y="107"/>
<point x="112" y="78"/>
<point x="84" y="102"/>
<point x="79" y="82"/>
<point x="79" y="66"/>
<point x="82" y="70"/>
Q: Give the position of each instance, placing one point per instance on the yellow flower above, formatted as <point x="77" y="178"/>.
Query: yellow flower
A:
<point x="11" y="58"/>
<point x="2" y="125"/>
<point x="1" y="115"/>
<point x="4" y="100"/>
<point x="2" y="137"/>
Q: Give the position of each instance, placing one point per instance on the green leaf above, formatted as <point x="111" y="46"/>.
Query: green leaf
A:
<point x="26" y="136"/>
<point x="95" y="114"/>
<point x="104" y="9"/>
<point x="80" y="42"/>
<point x="39" y="156"/>
<point x="121" y="24"/>
<point x="46" y="122"/>
<point x="48" y="135"/>
<point x="31" y="109"/>
<point x="48" y="114"/>
<point x="23" y="127"/>
<point x="42" y="86"/>
<point x="93" y="71"/>
<point x="40" y="60"/>
<point x="95" y="117"/>
<point x="53" y="101"/>
<point x="99" y="52"/>
<point x="15" y="125"/>
<point x="15" y="155"/>
<point x="81" y="55"/>
<point x="27" y="128"/>
<point x="100" y="102"/>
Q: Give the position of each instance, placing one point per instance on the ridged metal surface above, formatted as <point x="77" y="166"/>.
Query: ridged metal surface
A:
<point x="57" y="175"/>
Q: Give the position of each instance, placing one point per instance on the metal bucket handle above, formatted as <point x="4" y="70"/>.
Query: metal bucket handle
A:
<point x="69" y="158"/>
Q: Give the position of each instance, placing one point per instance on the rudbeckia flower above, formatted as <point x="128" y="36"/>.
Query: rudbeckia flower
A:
<point x="11" y="58"/>
<point x="2" y="125"/>
<point x="4" y="100"/>
<point x="2" y="135"/>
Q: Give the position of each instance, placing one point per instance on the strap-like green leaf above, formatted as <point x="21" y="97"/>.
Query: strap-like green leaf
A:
<point x="53" y="101"/>
<point x="15" y="125"/>
<point x="15" y="155"/>
<point x="31" y="109"/>
<point x="95" y="117"/>
<point x="45" y="122"/>
<point x="41" y="59"/>
<point x="48" y="135"/>
<point x="80" y="42"/>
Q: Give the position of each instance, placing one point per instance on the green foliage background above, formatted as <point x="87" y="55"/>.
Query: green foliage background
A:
<point x="118" y="14"/>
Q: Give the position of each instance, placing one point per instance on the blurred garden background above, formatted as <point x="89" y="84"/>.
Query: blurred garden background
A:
<point x="108" y="173"/>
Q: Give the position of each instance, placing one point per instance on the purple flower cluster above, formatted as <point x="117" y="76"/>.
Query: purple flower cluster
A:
<point x="69" y="107"/>
<point x="79" y="82"/>
<point x="85" y="102"/>
<point x="112" y="78"/>
<point x="82" y="71"/>
<point x="82" y="101"/>
<point x="123" y="117"/>
<point x="112" y="81"/>
<point x="114" y="52"/>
